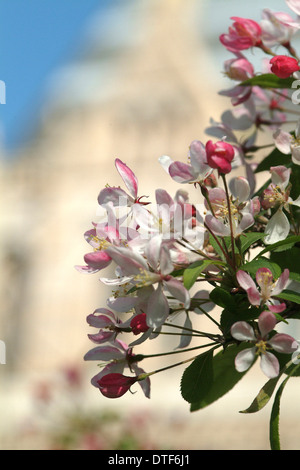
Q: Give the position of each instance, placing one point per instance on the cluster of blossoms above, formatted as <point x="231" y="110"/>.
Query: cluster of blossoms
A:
<point x="235" y="237"/>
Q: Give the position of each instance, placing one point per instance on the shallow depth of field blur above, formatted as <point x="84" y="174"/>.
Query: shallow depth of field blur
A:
<point x="88" y="82"/>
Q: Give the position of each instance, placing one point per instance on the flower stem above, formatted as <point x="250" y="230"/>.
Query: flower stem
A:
<point x="230" y="220"/>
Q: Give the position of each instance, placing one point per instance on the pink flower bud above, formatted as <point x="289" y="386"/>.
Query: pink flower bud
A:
<point x="219" y="156"/>
<point x="284" y="66"/>
<point x="138" y="324"/>
<point x="243" y="34"/>
<point x="115" y="385"/>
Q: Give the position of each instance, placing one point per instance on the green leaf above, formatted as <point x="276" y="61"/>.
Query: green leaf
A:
<point x="289" y="295"/>
<point x="289" y="240"/>
<point x="223" y="298"/>
<point x="247" y="239"/>
<point x="268" y="80"/>
<point x="197" y="378"/>
<point x="274" y="419"/>
<point x="225" y="376"/>
<point x="191" y="273"/>
<point x="256" y="264"/>
<point x="265" y="393"/>
<point x="263" y="396"/>
<point x="275" y="158"/>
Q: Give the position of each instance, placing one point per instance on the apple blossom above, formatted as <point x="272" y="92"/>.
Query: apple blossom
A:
<point x="277" y="195"/>
<point x="268" y="288"/>
<point x="283" y="343"/>
<point x="243" y="34"/>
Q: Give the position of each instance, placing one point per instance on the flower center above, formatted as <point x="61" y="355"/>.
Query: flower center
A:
<point x="276" y="196"/>
<point x="146" y="278"/>
<point x="261" y="347"/>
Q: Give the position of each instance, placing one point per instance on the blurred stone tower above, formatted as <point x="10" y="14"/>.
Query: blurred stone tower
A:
<point x="140" y="87"/>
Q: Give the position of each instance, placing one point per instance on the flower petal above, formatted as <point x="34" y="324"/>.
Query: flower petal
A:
<point x="269" y="365"/>
<point x="277" y="228"/>
<point x="266" y="322"/>
<point x="242" y="331"/>
<point x="128" y="177"/>
<point x="281" y="282"/>
<point x="244" y="359"/>
<point x="158" y="308"/>
<point x="283" y="343"/>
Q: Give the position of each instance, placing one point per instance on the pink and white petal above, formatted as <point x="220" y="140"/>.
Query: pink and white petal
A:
<point x="182" y="172"/>
<point x="240" y="188"/>
<point x="283" y="141"/>
<point x="144" y="384"/>
<point x="266" y="322"/>
<point x="122" y="304"/>
<point x="242" y="331"/>
<point x="217" y="226"/>
<point x="166" y="263"/>
<point x="296" y="154"/>
<point x="102" y="336"/>
<point x="244" y="359"/>
<point x="294" y="5"/>
<point x="276" y="307"/>
<point x="86" y="269"/>
<point x="165" y="162"/>
<point x="103" y="320"/>
<point x="131" y="262"/>
<point x="277" y="228"/>
<point x="116" y="196"/>
<point x="283" y="343"/>
<point x="162" y="197"/>
<point x="98" y="259"/>
<point x="198" y="157"/>
<point x="295" y="202"/>
<point x="281" y="282"/>
<point x="177" y="289"/>
<point x="152" y="251"/>
<point x="280" y="175"/>
<point x="128" y="177"/>
<point x="253" y="296"/>
<point x="104" y="353"/>
<point x="157" y="309"/>
<point x="246" y="222"/>
<point x="245" y="280"/>
<point x="269" y="365"/>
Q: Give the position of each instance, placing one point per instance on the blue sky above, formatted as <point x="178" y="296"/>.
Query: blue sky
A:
<point x="36" y="36"/>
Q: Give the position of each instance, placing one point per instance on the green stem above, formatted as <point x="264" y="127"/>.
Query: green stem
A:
<point x="145" y="375"/>
<point x="230" y="221"/>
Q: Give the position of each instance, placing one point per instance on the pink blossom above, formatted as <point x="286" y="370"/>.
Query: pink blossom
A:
<point x="276" y="196"/>
<point x="268" y="288"/>
<point x="288" y="144"/>
<point x="243" y="34"/>
<point x="294" y="5"/>
<point x="277" y="27"/>
<point x="108" y="323"/>
<point x="194" y="172"/>
<point x="280" y="342"/>
<point x="241" y="209"/>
